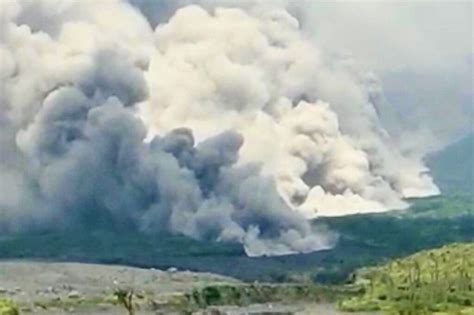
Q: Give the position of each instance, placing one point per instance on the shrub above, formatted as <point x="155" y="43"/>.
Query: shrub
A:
<point x="8" y="307"/>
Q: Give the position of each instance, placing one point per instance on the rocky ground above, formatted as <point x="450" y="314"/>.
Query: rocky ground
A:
<point x="74" y="288"/>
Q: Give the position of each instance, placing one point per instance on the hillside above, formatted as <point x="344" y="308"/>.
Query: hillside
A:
<point x="453" y="166"/>
<point x="438" y="281"/>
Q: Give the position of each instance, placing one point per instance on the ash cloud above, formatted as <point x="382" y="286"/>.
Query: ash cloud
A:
<point x="225" y="124"/>
<point x="311" y="119"/>
<point x="73" y="149"/>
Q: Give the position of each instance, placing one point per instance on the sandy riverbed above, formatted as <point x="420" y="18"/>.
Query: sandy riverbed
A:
<point x="37" y="286"/>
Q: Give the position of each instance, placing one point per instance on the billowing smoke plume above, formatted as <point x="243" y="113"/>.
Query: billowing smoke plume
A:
<point x="310" y="119"/>
<point x="226" y="125"/>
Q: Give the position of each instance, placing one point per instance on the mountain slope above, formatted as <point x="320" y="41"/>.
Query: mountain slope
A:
<point x="453" y="167"/>
<point x="438" y="281"/>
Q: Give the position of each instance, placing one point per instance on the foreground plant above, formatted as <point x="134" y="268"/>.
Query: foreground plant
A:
<point x="125" y="298"/>
<point x="8" y="307"/>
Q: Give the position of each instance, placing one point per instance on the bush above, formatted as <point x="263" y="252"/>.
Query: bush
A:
<point x="8" y="307"/>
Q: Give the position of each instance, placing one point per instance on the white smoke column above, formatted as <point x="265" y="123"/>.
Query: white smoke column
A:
<point x="310" y="120"/>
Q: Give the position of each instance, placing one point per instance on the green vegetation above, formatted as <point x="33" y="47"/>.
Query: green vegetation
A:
<point x="8" y="307"/>
<point x="72" y="303"/>
<point x="364" y="240"/>
<point x="439" y="281"/>
<point x="454" y="205"/>
<point x="247" y="294"/>
<point x="371" y="239"/>
<point x="201" y="298"/>
<point x="256" y="293"/>
<point x="125" y="298"/>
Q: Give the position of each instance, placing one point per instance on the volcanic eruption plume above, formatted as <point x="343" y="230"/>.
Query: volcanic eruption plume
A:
<point x="224" y="124"/>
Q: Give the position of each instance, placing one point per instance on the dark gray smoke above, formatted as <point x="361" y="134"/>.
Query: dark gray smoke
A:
<point x="73" y="154"/>
<point x="224" y="124"/>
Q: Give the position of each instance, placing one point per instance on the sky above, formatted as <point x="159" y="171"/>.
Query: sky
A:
<point x="421" y="50"/>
